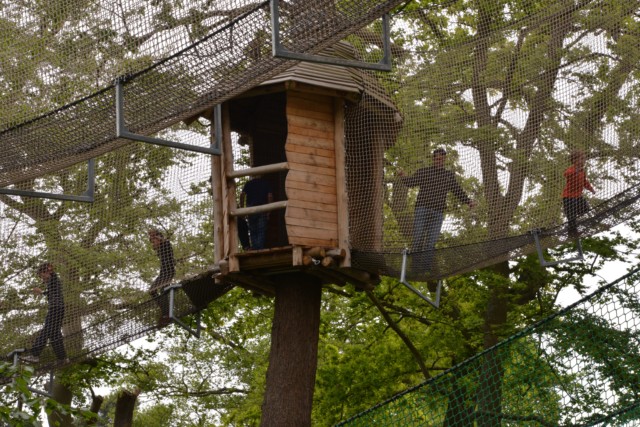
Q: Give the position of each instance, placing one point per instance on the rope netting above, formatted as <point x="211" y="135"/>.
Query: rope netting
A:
<point x="175" y="59"/>
<point x="507" y="91"/>
<point x="102" y="252"/>
<point x="503" y="94"/>
<point x="578" y="367"/>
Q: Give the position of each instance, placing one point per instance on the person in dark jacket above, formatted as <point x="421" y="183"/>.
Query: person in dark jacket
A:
<point x="164" y="250"/>
<point x="52" y="329"/>
<point x="255" y="192"/>
<point x="434" y="183"/>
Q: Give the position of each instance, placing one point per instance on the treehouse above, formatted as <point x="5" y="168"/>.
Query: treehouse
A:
<point x="298" y="130"/>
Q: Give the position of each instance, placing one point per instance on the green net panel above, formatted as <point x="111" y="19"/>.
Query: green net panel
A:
<point x="579" y="367"/>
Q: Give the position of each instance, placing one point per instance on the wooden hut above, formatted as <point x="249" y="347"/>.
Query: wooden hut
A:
<point x="297" y="128"/>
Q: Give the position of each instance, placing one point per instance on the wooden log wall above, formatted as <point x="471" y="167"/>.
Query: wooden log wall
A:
<point x="312" y="213"/>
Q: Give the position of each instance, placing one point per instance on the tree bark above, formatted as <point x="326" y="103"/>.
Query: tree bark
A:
<point x="124" y="408"/>
<point x="492" y="370"/>
<point x="294" y="352"/>
<point x="61" y="394"/>
<point x="96" y="404"/>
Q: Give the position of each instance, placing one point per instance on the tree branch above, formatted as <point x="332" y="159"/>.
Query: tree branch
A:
<point x="414" y="351"/>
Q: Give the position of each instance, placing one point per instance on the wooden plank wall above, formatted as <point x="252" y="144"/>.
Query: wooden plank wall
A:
<point x="312" y="214"/>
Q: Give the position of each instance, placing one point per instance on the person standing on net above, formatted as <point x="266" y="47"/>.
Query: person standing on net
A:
<point x="434" y="183"/>
<point x="52" y="329"/>
<point x="257" y="192"/>
<point x="164" y="250"/>
<point x="573" y="202"/>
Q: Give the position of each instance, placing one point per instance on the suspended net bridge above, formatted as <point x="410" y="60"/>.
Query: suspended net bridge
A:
<point x="123" y="118"/>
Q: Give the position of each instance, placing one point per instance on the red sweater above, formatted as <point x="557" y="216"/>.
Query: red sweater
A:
<point x="576" y="182"/>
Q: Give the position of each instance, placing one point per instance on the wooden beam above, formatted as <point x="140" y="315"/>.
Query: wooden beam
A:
<point x="317" y="198"/>
<point x="312" y="124"/>
<point x="322" y="142"/>
<point x="310" y="214"/>
<point x="258" y="170"/>
<point x="308" y="241"/>
<point x="314" y="133"/>
<point x="313" y="187"/>
<point x="342" y="201"/>
<point x="266" y="259"/>
<point x="310" y="150"/>
<point x="312" y="169"/>
<point x="282" y="204"/>
<point x="302" y="89"/>
<point x="229" y="192"/>
<point x="314" y="113"/>
<point x="297" y="255"/>
<point x="299" y="176"/>
<point x="216" y="192"/>
<point x="258" y="284"/>
<point x="330" y="224"/>
<point x="312" y="160"/>
<point x="322" y="208"/>
<point x="306" y="102"/>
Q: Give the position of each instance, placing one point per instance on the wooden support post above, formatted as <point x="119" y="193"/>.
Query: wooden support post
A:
<point x="328" y="261"/>
<point x="338" y="254"/>
<point x="317" y="253"/>
<point x="229" y="193"/>
<point x="297" y="255"/>
<point x="216" y="192"/>
<point x="341" y="186"/>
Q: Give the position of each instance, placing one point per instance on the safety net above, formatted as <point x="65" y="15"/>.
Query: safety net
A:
<point x="455" y="157"/>
<point x="61" y="67"/>
<point x="577" y="367"/>
<point x="505" y="93"/>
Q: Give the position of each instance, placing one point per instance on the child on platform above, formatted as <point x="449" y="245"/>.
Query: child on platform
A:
<point x="573" y="203"/>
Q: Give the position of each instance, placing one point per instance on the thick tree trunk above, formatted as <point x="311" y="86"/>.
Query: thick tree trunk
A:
<point x="294" y="353"/>
<point x="96" y="404"/>
<point x="492" y="371"/>
<point x="61" y="394"/>
<point x="124" y="408"/>
<point x="459" y="408"/>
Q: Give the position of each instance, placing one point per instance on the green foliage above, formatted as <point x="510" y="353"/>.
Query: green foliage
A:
<point x="20" y="406"/>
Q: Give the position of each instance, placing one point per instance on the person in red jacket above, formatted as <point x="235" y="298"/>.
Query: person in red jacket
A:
<point x="573" y="203"/>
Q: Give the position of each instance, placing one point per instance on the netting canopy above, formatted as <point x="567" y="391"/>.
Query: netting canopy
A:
<point x="534" y="104"/>
<point x="578" y="367"/>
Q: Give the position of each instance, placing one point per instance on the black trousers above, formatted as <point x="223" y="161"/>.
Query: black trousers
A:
<point x="161" y="298"/>
<point x="573" y="208"/>
<point x="51" y="331"/>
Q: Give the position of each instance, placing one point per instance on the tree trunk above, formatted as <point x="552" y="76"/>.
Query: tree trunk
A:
<point x="96" y="404"/>
<point x="61" y="394"/>
<point x="124" y="408"/>
<point x="459" y="409"/>
<point x="492" y="370"/>
<point x="294" y="352"/>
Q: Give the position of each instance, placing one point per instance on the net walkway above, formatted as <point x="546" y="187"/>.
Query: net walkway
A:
<point x="509" y="92"/>
<point x="578" y="367"/>
<point x="59" y="67"/>
<point x="508" y="100"/>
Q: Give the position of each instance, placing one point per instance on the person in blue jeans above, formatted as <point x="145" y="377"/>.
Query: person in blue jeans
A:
<point x="256" y="192"/>
<point x="434" y="183"/>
